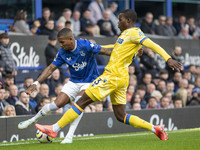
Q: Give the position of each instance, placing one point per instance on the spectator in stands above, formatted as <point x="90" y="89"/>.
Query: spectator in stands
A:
<point x="169" y="95"/>
<point x="34" y="29"/>
<point x="197" y="29"/>
<point x="146" y="80"/>
<point x="178" y="103"/>
<point x="150" y="88"/>
<point x="51" y="49"/>
<point x="182" y="94"/>
<point x="59" y="26"/>
<point x="6" y="55"/>
<point x="141" y="89"/>
<point x="164" y="75"/>
<point x="136" y="106"/>
<point x="161" y="28"/>
<point x="3" y="103"/>
<point x="90" y="108"/>
<point x="130" y="92"/>
<point x="32" y="100"/>
<point x="148" y="56"/>
<point x="176" y="79"/>
<point x="187" y="75"/>
<point x="53" y="81"/>
<point x="161" y="86"/>
<point x="13" y="98"/>
<point x="192" y="69"/>
<point x="85" y="19"/>
<point x="105" y="25"/>
<point x="197" y="84"/>
<point x="180" y="24"/>
<point x="8" y="81"/>
<point x="133" y="80"/>
<point x="44" y="101"/>
<point x="157" y="94"/>
<point x="28" y="81"/>
<point x="147" y="25"/>
<point x="22" y="106"/>
<point x="113" y="18"/>
<point x="58" y="89"/>
<point x="46" y="15"/>
<point x="20" y="25"/>
<point x="96" y="7"/>
<point x="176" y="55"/>
<point x="66" y="15"/>
<point x="191" y="25"/>
<point x="68" y="25"/>
<point x="9" y="111"/>
<point x="76" y="23"/>
<point x="43" y="92"/>
<point x="98" y="106"/>
<point x="3" y="96"/>
<point x="48" y="28"/>
<point x="37" y="25"/>
<point x="89" y="30"/>
<point x="169" y="28"/>
<point x="152" y="103"/>
<point x="183" y="83"/>
<point x="170" y="86"/>
<point x="164" y="103"/>
<point x="184" y="34"/>
<point x="195" y="100"/>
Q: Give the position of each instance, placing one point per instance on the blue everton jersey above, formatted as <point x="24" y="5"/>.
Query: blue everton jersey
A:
<point x="81" y="61"/>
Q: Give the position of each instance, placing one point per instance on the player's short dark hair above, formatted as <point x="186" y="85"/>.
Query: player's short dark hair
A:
<point x="64" y="32"/>
<point x="130" y="14"/>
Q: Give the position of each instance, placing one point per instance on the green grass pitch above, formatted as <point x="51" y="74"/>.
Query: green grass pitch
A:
<point x="178" y="140"/>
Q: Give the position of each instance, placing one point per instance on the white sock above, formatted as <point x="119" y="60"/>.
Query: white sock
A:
<point x="44" y="111"/>
<point x="56" y="127"/>
<point x="74" y="124"/>
<point x="153" y="130"/>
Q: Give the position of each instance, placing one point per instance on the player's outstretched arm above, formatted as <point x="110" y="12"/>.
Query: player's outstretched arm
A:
<point x="106" y="49"/>
<point x="45" y="74"/>
<point x="156" y="48"/>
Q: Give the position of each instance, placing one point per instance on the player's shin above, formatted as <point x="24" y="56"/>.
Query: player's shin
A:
<point x="137" y="122"/>
<point x="70" y="115"/>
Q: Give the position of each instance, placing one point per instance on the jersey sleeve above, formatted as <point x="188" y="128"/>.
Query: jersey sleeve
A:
<point x="137" y="36"/>
<point x="92" y="47"/>
<point x="58" y="61"/>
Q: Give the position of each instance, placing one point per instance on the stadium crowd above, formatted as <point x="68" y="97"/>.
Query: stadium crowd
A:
<point x="96" y="20"/>
<point x="150" y="87"/>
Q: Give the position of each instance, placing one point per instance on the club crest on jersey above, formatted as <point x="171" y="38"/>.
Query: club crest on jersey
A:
<point x="120" y="41"/>
<point x="82" y="53"/>
<point x="78" y="66"/>
<point x="69" y="59"/>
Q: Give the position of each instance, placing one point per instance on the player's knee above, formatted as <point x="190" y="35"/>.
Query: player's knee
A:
<point x="120" y="118"/>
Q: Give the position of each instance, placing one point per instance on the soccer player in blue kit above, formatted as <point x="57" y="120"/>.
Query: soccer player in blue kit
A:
<point x="79" y="55"/>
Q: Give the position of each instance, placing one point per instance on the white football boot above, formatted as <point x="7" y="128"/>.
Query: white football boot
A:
<point x="67" y="140"/>
<point x="25" y="124"/>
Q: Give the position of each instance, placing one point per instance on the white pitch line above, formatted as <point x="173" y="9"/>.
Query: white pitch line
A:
<point x="101" y="137"/>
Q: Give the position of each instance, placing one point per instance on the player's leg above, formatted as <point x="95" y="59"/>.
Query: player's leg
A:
<point x="122" y="116"/>
<point x="60" y="101"/>
<point x="74" y="124"/>
<point x="68" y="117"/>
<point x="92" y="94"/>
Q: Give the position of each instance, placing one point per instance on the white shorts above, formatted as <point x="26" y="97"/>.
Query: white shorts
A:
<point x="72" y="89"/>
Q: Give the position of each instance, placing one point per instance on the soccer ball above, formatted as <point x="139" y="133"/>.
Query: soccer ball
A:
<point x="43" y="138"/>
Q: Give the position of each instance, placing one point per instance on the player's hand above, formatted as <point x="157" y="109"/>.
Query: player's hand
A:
<point x="174" y="65"/>
<point x="30" y="89"/>
<point x="140" y="52"/>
